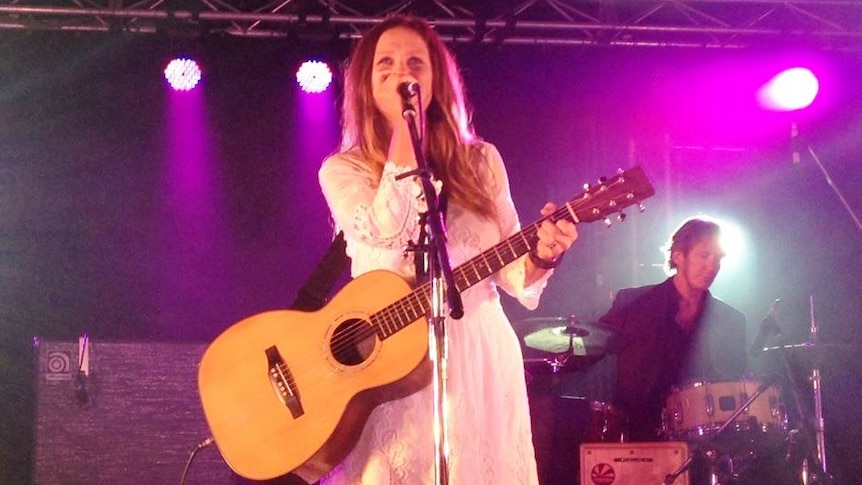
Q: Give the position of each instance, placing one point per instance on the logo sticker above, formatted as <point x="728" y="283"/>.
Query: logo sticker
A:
<point x="603" y="474"/>
<point x="59" y="366"/>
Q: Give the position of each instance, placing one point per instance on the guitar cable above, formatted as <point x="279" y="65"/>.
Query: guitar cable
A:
<point x="203" y="444"/>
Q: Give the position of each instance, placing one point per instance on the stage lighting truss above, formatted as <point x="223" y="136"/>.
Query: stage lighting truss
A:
<point x="824" y="24"/>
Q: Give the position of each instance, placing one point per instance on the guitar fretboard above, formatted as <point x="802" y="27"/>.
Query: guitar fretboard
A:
<point x="396" y="316"/>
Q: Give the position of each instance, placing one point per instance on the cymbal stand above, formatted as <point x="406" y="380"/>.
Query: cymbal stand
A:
<point x="816" y="385"/>
<point x="711" y="452"/>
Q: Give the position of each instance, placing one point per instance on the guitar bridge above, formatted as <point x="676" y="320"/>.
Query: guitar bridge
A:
<point x="282" y="382"/>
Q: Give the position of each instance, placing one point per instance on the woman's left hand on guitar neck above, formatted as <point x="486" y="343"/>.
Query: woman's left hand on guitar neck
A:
<point x="555" y="238"/>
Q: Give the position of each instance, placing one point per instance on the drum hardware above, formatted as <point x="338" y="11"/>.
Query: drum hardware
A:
<point x="710" y="452"/>
<point x="556" y="363"/>
<point x="814" y="351"/>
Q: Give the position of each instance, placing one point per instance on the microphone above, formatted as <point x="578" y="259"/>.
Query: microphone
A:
<point x="794" y="143"/>
<point x="408" y="89"/>
<point x="768" y="325"/>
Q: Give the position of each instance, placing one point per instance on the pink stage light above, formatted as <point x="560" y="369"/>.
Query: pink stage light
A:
<point x="314" y="76"/>
<point x="790" y="90"/>
<point x="183" y="74"/>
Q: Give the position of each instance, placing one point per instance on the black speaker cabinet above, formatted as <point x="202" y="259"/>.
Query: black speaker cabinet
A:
<point x="133" y="419"/>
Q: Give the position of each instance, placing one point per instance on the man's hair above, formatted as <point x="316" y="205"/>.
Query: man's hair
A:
<point x="691" y="232"/>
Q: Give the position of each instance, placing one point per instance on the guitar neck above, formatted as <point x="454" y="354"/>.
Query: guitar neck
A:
<point x="396" y="316"/>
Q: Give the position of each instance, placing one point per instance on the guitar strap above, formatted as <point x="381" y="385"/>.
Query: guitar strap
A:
<point x="313" y="294"/>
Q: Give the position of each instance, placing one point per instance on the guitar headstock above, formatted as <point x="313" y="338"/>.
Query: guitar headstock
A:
<point x="611" y="196"/>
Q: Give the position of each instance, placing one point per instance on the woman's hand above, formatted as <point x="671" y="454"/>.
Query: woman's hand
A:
<point x="555" y="238"/>
<point x="389" y="100"/>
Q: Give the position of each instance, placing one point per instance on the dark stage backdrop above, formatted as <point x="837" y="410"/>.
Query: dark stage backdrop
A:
<point x="113" y="223"/>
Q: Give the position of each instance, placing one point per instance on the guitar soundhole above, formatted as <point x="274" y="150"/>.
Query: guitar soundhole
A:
<point x="352" y="342"/>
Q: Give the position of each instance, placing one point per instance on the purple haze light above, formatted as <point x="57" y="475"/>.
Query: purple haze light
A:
<point x="183" y="74"/>
<point x="789" y="90"/>
<point x="313" y="76"/>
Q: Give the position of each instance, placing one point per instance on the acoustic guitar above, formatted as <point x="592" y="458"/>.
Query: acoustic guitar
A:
<point x="290" y="391"/>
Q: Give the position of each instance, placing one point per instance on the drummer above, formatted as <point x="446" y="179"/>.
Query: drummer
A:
<point x="675" y="332"/>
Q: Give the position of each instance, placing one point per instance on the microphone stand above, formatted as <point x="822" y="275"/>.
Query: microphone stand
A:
<point x="669" y="479"/>
<point x="835" y="189"/>
<point x="443" y="289"/>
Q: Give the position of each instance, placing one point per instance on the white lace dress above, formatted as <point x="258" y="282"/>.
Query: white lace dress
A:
<point x="489" y="420"/>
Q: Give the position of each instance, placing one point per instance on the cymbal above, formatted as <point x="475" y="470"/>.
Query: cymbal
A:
<point x="529" y="325"/>
<point x="564" y="335"/>
<point x="809" y="347"/>
<point x="549" y="320"/>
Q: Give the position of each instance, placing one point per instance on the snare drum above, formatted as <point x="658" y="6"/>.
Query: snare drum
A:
<point x="700" y="409"/>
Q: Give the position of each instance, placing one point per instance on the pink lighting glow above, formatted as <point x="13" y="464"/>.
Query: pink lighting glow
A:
<point x="790" y="90"/>
<point x="313" y="76"/>
<point x="183" y="74"/>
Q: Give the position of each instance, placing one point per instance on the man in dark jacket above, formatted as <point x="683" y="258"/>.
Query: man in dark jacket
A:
<point x="675" y="332"/>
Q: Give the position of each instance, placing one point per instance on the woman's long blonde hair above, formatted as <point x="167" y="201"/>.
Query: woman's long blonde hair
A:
<point x="450" y="143"/>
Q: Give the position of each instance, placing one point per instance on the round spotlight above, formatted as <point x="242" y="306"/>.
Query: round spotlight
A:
<point x="790" y="90"/>
<point x="183" y="74"/>
<point x="734" y="242"/>
<point x="314" y="76"/>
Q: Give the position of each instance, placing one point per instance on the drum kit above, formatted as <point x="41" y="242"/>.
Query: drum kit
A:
<point x="728" y="425"/>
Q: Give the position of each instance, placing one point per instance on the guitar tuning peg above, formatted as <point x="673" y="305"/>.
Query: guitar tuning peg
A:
<point x="621" y="216"/>
<point x="641" y="207"/>
<point x="603" y="180"/>
<point x="620" y="171"/>
<point x="586" y="187"/>
<point x="608" y="222"/>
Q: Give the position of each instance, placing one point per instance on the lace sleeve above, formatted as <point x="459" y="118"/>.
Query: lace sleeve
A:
<point x="380" y="213"/>
<point x="512" y="277"/>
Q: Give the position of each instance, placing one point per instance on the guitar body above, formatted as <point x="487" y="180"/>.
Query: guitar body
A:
<point x="289" y="391"/>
